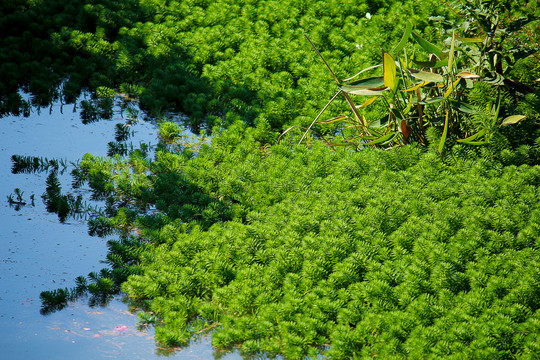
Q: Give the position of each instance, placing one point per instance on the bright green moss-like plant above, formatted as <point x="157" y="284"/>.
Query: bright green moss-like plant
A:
<point x="370" y="254"/>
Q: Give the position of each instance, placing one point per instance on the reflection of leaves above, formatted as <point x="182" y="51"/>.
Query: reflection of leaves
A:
<point x="34" y="164"/>
<point x="52" y="301"/>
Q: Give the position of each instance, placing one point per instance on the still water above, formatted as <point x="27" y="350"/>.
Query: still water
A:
<point x="39" y="253"/>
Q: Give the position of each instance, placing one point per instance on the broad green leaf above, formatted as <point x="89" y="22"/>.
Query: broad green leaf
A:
<point x="365" y="92"/>
<point x="444" y="134"/>
<point x="389" y="71"/>
<point x="426" y="45"/>
<point x="463" y="107"/>
<point x="451" y="88"/>
<point x="366" y="83"/>
<point x="431" y="101"/>
<point x="469" y="139"/>
<point x="426" y="75"/>
<point x="382" y="139"/>
<point x="514" y="119"/>
<point x="404" y="38"/>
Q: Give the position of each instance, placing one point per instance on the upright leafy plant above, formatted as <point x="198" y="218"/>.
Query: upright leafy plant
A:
<point x="427" y="99"/>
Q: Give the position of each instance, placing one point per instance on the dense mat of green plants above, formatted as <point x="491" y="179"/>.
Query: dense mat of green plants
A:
<point x="215" y="61"/>
<point x="421" y="251"/>
<point x="295" y="250"/>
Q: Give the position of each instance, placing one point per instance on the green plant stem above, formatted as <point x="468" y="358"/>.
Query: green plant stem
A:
<point x="319" y="115"/>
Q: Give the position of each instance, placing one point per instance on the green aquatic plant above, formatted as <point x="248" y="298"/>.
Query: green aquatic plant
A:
<point x="425" y="96"/>
<point x="102" y="285"/>
<point x="401" y="245"/>
<point x="215" y="63"/>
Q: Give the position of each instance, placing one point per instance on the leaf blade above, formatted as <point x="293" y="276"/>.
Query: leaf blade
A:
<point x="513" y="119"/>
<point x="426" y="45"/>
<point x="426" y="75"/>
<point x="382" y="139"/>
<point x="445" y="133"/>
<point x="389" y="71"/>
<point x="401" y="44"/>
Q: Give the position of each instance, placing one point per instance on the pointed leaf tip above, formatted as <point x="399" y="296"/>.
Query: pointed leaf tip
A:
<point x="389" y="71"/>
<point x="514" y="119"/>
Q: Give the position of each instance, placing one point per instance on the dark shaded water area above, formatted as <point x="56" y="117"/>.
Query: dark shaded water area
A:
<point x="39" y="253"/>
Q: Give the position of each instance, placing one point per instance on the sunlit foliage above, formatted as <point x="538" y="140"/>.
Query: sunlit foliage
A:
<point x="214" y="61"/>
<point x="295" y="250"/>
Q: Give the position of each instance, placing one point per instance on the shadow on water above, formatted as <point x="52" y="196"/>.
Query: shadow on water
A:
<point x="57" y="51"/>
<point x="39" y="252"/>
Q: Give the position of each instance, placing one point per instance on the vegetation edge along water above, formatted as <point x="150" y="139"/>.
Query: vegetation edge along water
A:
<point x="423" y="244"/>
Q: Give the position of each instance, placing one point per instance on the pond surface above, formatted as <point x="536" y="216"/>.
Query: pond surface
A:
<point x="39" y="253"/>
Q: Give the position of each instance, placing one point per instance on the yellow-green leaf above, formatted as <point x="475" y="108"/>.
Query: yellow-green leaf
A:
<point x="404" y="38"/>
<point x="469" y="139"/>
<point x="426" y="75"/>
<point x="514" y="119"/>
<point x="470" y="40"/>
<point x="389" y="71"/>
<point x="368" y="102"/>
<point x="444" y="134"/>
<point x="417" y="86"/>
<point x="451" y="88"/>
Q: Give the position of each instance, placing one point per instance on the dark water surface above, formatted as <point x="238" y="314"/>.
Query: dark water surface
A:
<point x="39" y="253"/>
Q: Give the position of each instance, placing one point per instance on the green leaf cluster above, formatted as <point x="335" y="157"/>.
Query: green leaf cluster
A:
<point x="301" y="251"/>
<point x="215" y="62"/>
